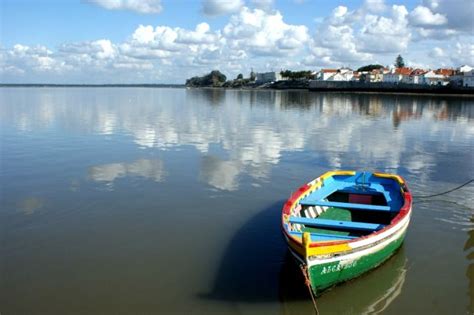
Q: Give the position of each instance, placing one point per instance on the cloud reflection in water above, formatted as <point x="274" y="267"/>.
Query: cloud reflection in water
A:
<point x="255" y="130"/>
<point x="150" y="169"/>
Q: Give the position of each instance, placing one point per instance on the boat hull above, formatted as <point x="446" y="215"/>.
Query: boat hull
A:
<point x="325" y="273"/>
<point x="327" y="258"/>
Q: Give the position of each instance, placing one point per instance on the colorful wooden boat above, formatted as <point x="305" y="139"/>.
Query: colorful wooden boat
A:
<point x="345" y="223"/>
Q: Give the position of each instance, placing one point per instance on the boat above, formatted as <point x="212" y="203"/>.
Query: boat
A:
<point x="345" y="223"/>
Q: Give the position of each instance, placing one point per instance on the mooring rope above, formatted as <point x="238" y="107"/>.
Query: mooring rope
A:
<point x="447" y="192"/>
<point x="304" y="269"/>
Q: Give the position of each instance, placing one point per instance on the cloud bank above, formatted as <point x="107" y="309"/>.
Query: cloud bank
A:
<point x="433" y="34"/>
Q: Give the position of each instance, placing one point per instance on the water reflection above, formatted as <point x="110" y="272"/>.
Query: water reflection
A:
<point x="108" y="173"/>
<point x="469" y="250"/>
<point x="254" y="145"/>
<point x="30" y="205"/>
<point x="372" y="293"/>
<point x="211" y="96"/>
<point x="219" y="174"/>
<point x="338" y="130"/>
<point x="256" y="128"/>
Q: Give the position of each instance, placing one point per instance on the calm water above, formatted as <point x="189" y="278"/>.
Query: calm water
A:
<point x="167" y="201"/>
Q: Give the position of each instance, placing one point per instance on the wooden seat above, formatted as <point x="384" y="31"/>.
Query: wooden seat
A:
<point x="335" y="224"/>
<point x="345" y="205"/>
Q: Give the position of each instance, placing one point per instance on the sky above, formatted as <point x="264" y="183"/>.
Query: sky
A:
<point x="168" y="41"/>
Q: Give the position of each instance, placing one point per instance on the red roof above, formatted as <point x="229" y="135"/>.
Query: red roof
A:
<point x="418" y="72"/>
<point x="446" y="72"/>
<point x="329" y="70"/>
<point x="403" y="71"/>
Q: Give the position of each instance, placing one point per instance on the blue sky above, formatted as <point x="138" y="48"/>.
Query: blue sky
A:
<point x="131" y="41"/>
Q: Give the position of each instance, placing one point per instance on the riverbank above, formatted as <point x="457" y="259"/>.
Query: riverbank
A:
<point x="311" y="85"/>
<point x="386" y="87"/>
<point x="92" y="85"/>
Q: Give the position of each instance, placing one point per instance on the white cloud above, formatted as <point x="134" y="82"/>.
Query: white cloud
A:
<point x="386" y="34"/>
<point x="264" y="34"/>
<point x="101" y="49"/>
<point x="422" y="16"/>
<point x="263" y="4"/>
<point x="335" y="41"/>
<point x="221" y="7"/>
<point x="437" y="52"/>
<point x="24" y="60"/>
<point x="144" y="34"/>
<point x="457" y="12"/>
<point x="374" y="6"/>
<point x="140" y="6"/>
<point x="463" y="53"/>
<point x="436" y="34"/>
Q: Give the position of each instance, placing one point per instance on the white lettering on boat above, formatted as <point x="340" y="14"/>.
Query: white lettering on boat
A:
<point x="340" y="266"/>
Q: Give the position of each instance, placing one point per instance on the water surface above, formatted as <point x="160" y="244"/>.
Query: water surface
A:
<point x="148" y="201"/>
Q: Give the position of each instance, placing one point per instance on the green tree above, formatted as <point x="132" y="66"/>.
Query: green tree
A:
<point x="369" y="68"/>
<point x="252" y="75"/>
<point x="295" y="75"/>
<point x="215" y="79"/>
<point x="240" y="76"/>
<point x="399" y="62"/>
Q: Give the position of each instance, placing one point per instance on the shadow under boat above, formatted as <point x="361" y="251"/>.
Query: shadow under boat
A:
<point x="257" y="268"/>
<point x="250" y="266"/>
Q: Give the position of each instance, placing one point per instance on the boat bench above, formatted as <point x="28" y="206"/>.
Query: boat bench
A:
<point x="342" y="225"/>
<point x="324" y="237"/>
<point x="345" y="205"/>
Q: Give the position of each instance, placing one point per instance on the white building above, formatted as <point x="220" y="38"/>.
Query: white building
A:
<point x="433" y="78"/>
<point x="415" y="77"/>
<point x="325" y="74"/>
<point x="397" y="75"/>
<point x="464" y="68"/>
<point x="458" y="78"/>
<point x="468" y="79"/>
<point x="335" y="75"/>
<point x="267" y="77"/>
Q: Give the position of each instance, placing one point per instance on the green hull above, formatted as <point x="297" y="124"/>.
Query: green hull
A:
<point x="327" y="275"/>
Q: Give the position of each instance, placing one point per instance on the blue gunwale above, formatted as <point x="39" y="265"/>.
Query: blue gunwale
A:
<point x="344" y="225"/>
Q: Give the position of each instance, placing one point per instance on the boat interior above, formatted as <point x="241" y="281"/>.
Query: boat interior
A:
<point x="347" y="207"/>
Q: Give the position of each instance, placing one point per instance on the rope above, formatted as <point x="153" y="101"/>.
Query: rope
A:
<point x="447" y="192"/>
<point x="308" y="284"/>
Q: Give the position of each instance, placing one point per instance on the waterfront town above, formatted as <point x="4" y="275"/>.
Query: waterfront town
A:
<point x="375" y="75"/>
<point x="461" y="76"/>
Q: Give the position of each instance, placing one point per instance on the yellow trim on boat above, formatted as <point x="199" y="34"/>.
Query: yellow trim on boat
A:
<point x="333" y="173"/>
<point x="392" y="176"/>
<point x="321" y="250"/>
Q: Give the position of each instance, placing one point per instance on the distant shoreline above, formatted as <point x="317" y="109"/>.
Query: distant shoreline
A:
<point x="280" y="87"/>
<point x="91" y="85"/>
